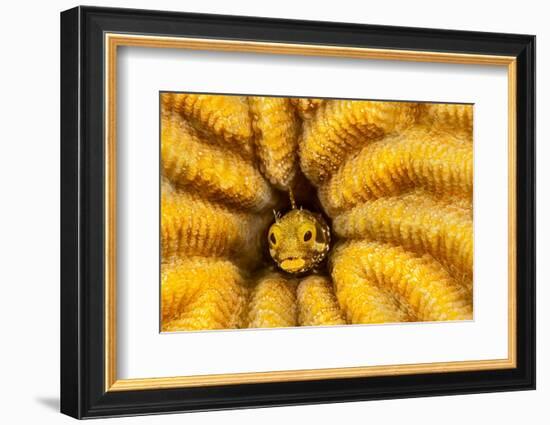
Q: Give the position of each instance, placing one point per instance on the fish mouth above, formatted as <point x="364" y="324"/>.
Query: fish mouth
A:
<point x="293" y="265"/>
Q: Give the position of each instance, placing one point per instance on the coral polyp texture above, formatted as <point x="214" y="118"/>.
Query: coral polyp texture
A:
<point x="391" y="181"/>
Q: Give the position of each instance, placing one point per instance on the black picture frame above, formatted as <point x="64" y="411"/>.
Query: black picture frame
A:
<point x="82" y="212"/>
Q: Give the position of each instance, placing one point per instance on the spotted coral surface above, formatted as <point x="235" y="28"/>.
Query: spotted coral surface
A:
<point x="394" y="180"/>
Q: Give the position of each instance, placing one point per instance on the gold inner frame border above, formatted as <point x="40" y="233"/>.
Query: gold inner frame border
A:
<point x="113" y="40"/>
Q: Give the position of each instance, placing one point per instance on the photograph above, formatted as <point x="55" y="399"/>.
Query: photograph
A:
<point x="268" y="211"/>
<point x="281" y="212"/>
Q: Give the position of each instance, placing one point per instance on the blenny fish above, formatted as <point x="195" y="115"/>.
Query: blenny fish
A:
<point x="298" y="240"/>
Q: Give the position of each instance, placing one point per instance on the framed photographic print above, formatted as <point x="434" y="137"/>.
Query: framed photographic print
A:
<point x="261" y="212"/>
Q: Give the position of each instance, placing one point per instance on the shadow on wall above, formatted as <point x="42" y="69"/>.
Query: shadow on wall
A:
<point x="49" y="402"/>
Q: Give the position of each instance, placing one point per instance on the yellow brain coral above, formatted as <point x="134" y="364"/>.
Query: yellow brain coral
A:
<point x="417" y="285"/>
<point x="340" y="127"/>
<point x="276" y="135"/>
<point x="317" y="303"/>
<point x="394" y="179"/>
<point x="202" y="293"/>
<point x="273" y="302"/>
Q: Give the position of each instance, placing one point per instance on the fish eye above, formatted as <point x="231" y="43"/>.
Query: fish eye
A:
<point x="307" y="232"/>
<point x="273" y="235"/>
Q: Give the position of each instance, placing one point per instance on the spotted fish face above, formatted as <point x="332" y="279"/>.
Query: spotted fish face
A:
<point x="298" y="241"/>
